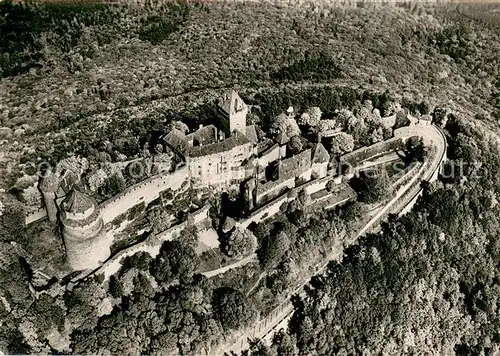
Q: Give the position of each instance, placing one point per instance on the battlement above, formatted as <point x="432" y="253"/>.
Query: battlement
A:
<point x="36" y="215"/>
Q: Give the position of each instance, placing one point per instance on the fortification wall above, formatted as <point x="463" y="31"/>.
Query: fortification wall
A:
<point x="200" y="215"/>
<point x="316" y="185"/>
<point x="329" y="133"/>
<point x="151" y="245"/>
<point x="145" y="191"/>
<point x="272" y="189"/>
<point x="403" y="177"/>
<point x="406" y="131"/>
<point x="354" y="158"/>
<point x="340" y="197"/>
<point x="36" y="215"/>
<point x="263" y="213"/>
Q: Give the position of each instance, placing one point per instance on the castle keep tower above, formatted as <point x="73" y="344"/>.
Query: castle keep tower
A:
<point x="233" y="113"/>
<point x="83" y="231"/>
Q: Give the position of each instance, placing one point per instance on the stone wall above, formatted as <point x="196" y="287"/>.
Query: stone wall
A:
<point x="316" y="185"/>
<point x="270" y="209"/>
<point x="296" y="166"/>
<point x="35" y="216"/>
<point x="272" y="189"/>
<point x="144" y="192"/>
<point x="354" y="158"/>
<point x="219" y="169"/>
<point x="270" y="155"/>
<point x="151" y="245"/>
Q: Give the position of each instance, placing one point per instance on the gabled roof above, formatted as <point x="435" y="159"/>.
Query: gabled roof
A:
<point x="69" y="179"/>
<point x="177" y="140"/>
<point x="252" y="133"/>
<point x="295" y="165"/>
<point x="204" y="135"/>
<point x="320" y="154"/>
<point x="77" y="202"/>
<point x="237" y="139"/>
<point x="282" y="138"/>
<point x="231" y="103"/>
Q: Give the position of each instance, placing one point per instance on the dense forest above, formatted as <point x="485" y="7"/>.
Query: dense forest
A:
<point x="128" y="71"/>
<point x="101" y="81"/>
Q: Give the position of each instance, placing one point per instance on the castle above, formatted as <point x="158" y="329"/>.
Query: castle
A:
<point x="230" y="155"/>
<point x="218" y="156"/>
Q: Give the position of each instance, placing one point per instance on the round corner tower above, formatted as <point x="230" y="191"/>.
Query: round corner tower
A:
<point x="82" y="227"/>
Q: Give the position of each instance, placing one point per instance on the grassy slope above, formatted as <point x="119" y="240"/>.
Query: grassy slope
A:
<point x="240" y="46"/>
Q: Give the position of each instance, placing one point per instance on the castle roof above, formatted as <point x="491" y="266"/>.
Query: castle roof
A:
<point x="231" y="103"/>
<point x="252" y="133"/>
<point x="177" y="140"/>
<point x="260" y="134"/>
<point x="320" y="154"/>
<point x="77" y="202"/>
<point x="235" y="140"/>
<point x="282" y="138"/>
<point x="69" y="179"/>
<point x="204" y="135"/>
<point x="296" y="165"/>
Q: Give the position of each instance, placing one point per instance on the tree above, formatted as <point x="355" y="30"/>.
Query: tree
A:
<point x="295" y="145"/>
<point x="189" y="236"/>
<point x="375" y="185"/>
<point x="140" y="261"/>
<point x="358" y="129"/>
<point x="231" y="309"/>
<point x="240" y="243"/>
<point x="415" y="151"/>
<point x="311" y="117"/>
<point x="285" y="124"/>
<point x="342" y="143"/>
<point x="257" y="348"/>
<point x="351" y="211"/>
<point x="12" y="220"/>
<point x="175" y="260"/>
<point x="326" y="125"/>
<point x="273" y="247"/>
<point x="113" y="185"/>
<point x="159" y="220"/>
<point x="284" y="344"/>
<point x="115" y="287"/>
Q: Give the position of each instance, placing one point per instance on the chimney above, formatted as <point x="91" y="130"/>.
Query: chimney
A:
<point x="215" y="134"/>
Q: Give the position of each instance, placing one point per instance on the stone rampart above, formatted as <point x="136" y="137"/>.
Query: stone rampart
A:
<point x="36" y="215"/>
<point x="264" y="212"/>
<point x="272" y="189"/>
<point x="354" y="158"/>
<point x="151" y="245"/>
<point x="145" y="191"/>
<point x="316" y="185"/>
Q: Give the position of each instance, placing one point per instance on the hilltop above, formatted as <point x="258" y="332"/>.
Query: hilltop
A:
<point x="128" y="71"/>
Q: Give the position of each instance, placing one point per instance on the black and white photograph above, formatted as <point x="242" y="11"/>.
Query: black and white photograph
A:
<point x="249" y="177"/>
